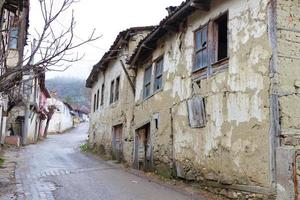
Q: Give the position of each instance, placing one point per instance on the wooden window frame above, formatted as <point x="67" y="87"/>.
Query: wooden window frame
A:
<point x="213" y="64"/>
<point x="117" y="89"/>
<point x="148" y="83"/>
<point x="153" y="77"/>
<point x="112" y="91"/>
<point x="196" y="51"/>
<point x="158" y="76"/>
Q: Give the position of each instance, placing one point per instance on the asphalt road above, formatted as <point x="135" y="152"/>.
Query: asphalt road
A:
<point x="57" y="169"/>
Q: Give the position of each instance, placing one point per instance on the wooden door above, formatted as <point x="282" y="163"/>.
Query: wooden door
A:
<point x="117" y="143"/>
<point x="143" y="150"/>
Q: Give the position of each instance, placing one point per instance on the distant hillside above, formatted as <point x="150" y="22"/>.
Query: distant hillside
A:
<point x="71" y="90"/>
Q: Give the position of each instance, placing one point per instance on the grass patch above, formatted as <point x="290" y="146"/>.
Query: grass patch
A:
<point x="1" y="162"/>
<point x="84" y="147"/>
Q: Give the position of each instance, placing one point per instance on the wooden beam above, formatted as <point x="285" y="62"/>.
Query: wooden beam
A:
<point x="171" y="28"/>
<point x="200" y="4"/>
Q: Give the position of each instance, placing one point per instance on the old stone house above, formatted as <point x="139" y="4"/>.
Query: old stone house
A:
<point x="216" y="97"/>
<point x="112" y="92"/>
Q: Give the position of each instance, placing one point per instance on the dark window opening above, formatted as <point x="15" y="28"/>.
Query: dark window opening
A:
<point x="117" y="92"/>
<point x="112" y="86"/>
<point x="222" y="44"/>
<point x="98" y="99"/>
<point x="95" y="102"/>
<point x="158" y="75"/>
<point x="147" y="81"/>
<point x="102" y="94"/>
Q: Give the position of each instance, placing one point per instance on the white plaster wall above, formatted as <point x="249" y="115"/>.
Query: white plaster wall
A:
<point x="61" y="120"/>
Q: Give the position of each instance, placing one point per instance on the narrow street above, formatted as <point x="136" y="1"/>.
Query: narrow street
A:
<point x="57" y="169"/>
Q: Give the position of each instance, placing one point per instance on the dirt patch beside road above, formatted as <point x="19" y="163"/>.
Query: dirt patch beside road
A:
<point x="7" y="173"/>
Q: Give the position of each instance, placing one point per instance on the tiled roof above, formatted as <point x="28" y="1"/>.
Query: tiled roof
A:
<point x="113" y="51"/>
<point x="171" y="21"/>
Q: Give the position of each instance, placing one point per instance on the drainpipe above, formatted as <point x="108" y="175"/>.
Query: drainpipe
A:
<point x="173" y="147"/>
<point x="274" y="132"/>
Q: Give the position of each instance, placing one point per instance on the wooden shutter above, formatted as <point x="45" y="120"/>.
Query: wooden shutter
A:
<point x="197" y="114"/>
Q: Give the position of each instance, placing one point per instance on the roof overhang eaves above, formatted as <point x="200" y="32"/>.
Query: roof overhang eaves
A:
<point x="172" y="20"/>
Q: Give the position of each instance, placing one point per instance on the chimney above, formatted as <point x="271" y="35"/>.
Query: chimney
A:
<point x="171" y="9"/>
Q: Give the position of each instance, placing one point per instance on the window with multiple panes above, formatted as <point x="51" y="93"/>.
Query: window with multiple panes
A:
<point x="153" y="77"/>
<point x="147" y="81"/>
<point x="211" y="52"/>
<point x="158" y="75"/>
<point x="112" y="91"/>
<point x="201" y="55"/>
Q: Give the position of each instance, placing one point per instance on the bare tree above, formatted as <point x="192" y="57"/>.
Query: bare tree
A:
<point x="51" y="48"/>
<point x="50" y="113"/>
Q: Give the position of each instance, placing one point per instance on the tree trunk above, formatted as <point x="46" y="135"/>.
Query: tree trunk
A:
<point x="47" y="125"/>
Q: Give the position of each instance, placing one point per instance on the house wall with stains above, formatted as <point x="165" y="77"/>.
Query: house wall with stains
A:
<point x="287" y="88"/>
<point x="233" y="147"/>
<point x="120" y="112"/>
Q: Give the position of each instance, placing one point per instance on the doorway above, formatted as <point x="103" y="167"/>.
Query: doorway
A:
<point x="143" y="150"/>
<point x="117" y="147"/>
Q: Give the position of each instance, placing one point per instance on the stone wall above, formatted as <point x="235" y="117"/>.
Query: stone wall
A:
<point x="287" y="79"/>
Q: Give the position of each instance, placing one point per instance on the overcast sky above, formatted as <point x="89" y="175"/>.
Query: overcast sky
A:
<point x="108" y="18"/>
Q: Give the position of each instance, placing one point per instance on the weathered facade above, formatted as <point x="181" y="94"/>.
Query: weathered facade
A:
<point x="14" y="26"/>
<point x="112" y="97"/>
<point x="216" y="92"/>
<point x="62" y="119"/>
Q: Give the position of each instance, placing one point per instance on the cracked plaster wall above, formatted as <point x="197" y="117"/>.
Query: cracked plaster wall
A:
<point x="119" y="112"/>
<point x="233" y="148"/>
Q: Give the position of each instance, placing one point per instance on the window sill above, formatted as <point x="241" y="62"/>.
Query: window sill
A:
<point x="154" y="93"/>
<point x="199" y="73"/>
<point x="220" y="65"/>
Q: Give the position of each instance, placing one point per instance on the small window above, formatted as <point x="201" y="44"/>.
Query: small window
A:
<point x="117" y="92"/>
<point x="95" y="99"/>
<point x="158" y="75"/>
<point x="201" y="56"/>
<point x="222" y="37"/>
<point x="13" y="38"/>
<point x="102" y="94"/>
<point x="112" y="87"/>
<point x="147" y="81"/>
<point x="98" y="99"/>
